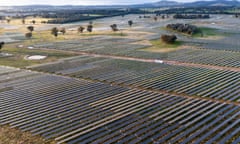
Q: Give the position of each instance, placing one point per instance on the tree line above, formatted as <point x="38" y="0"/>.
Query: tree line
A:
<point x="198" y="10"/>
<point x="183" y="28"/>
<point x="191" y="16"/>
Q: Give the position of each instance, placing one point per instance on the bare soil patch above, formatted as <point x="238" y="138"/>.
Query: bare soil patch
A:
<point x="14" y="136"/>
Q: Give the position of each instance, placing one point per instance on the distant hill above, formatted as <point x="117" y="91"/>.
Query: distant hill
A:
<point x="169" y="3"/>
<point x="162" y="3"/>
<point x="213" y="3"/>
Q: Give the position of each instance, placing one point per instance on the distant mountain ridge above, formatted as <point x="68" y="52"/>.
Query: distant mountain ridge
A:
<point x="167" y="3"/>
<point x="198" y="3"/>
<point x="214" y="3"/>
<point x="162" y="3"/>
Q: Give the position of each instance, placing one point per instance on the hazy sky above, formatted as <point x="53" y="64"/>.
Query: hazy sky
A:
<point x="77" y="2"/>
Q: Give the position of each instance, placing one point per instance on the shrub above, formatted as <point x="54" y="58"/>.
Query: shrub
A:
<point x="169" y="39"/>
<point x="62" y="30"/>
<point x="114" y="27"/>
<point x="30" y="28"/>
<point x="28" y="35"/>
<point x="81" y="29"/>
<point x="89" y="28"/>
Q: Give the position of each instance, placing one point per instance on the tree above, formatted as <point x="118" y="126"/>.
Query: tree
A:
<point x="130" y="23"/>
<point x="43" y="22"/>
<point x="114" y="27"/>
<point x="28" y="35"/>
<point x="169" y="39"/>
<point x="8" y="20"/>
<point x="23" y="21"/>
<point x="81" y="29"/>
<point x="89" y="28"/>
<point x="1" y="45"/>
<point x="54" y="31"/>
<point x="56" y="34"/>
<point x="33" y="22"/>
<point x="63" y="30"/>
<point x="30" y="28"/>
<point x="155" y="18"/>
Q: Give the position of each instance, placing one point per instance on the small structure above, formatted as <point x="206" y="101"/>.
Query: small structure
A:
<point x="35" y="57"/>
<point x="5" y="54"/>
<point x="158" y="61"/>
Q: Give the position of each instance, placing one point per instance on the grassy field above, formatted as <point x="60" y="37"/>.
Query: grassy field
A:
<point x="1" y="30"/>
<point x="206" y="32"/>
<point x="203" y="33"/>
<point x="46" y="36"/>
<point x="108" y="33"/>
<point x="28" y="20"/>
<point x="17" y="60"/>
<point x="14" y="136"/>
<point x="159" y="46"/>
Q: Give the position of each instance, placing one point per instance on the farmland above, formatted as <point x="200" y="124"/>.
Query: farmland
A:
<point x="125" y="86"/>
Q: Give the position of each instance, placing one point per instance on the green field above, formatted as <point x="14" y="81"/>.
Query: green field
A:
<point x="17" y="60"/>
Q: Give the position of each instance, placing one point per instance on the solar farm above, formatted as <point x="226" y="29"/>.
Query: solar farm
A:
<point x="115" y="89"/>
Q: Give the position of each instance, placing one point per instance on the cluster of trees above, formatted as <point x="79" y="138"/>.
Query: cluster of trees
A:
<point x="162" y="15"/>
<point x="191" y="16"/>
<point x="197" y="10"/>
<point x="145" y="16"/>
<point x="55" y="31"/>
<point x="70" y="19"/>
<point x="8" y="20"/>
<point x="67" y="16"/>
<point x="169" y="39"/>
<point x="183" y="28"/>
<point x="114" y="27"/>
<point x="155" y="17"/>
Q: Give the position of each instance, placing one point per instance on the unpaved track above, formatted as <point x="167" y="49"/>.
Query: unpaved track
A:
<point x="178" y="63"/>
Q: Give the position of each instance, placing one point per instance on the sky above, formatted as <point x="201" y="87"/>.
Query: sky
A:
<point x="77" y="2"/>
